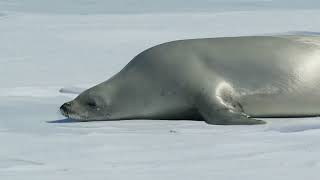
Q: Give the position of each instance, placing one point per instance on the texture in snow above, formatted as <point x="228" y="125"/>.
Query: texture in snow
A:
<point x="51" y="51"/>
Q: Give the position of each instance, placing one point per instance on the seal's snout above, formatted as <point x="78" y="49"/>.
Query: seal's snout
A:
<point x="65" y="108"/>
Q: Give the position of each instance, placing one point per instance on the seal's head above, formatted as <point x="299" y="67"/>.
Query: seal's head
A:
<point x="115" y="99"/>
<point x="88" y="106"/>
<point x="130" y="94"/>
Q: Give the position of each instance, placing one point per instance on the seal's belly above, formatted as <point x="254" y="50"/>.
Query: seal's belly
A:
<point x="282" y="105"/>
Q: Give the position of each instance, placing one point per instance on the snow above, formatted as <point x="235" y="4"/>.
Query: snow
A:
<point x="48" y="56"/>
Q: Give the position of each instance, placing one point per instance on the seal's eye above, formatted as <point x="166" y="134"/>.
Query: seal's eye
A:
<point x="91" y="104"/>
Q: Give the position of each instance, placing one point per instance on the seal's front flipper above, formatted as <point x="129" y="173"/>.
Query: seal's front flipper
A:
<point x="225" y="117"/>
<point x="221" y="107"/>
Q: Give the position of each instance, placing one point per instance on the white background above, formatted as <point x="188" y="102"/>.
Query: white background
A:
<point x="49" y="45"/>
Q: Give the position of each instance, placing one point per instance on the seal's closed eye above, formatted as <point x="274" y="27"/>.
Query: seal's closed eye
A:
<point x="92" y="104"/>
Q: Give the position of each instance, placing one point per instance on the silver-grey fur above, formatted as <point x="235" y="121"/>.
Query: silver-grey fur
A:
<point x="228" y="80"/>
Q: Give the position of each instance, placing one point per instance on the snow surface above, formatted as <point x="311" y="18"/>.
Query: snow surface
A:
<point x="47" y="58"/>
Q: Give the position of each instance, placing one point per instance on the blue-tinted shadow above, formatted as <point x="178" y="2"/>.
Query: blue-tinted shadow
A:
<point x="67" y="120"/>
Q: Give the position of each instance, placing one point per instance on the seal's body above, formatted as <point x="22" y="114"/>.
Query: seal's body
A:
<point x="221" y="80"/>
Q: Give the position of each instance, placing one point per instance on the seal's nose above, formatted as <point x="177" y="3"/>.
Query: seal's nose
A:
<point x="64" y="108"/>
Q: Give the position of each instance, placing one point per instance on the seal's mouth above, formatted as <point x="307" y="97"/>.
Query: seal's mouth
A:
<point x="74" y="116"/>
